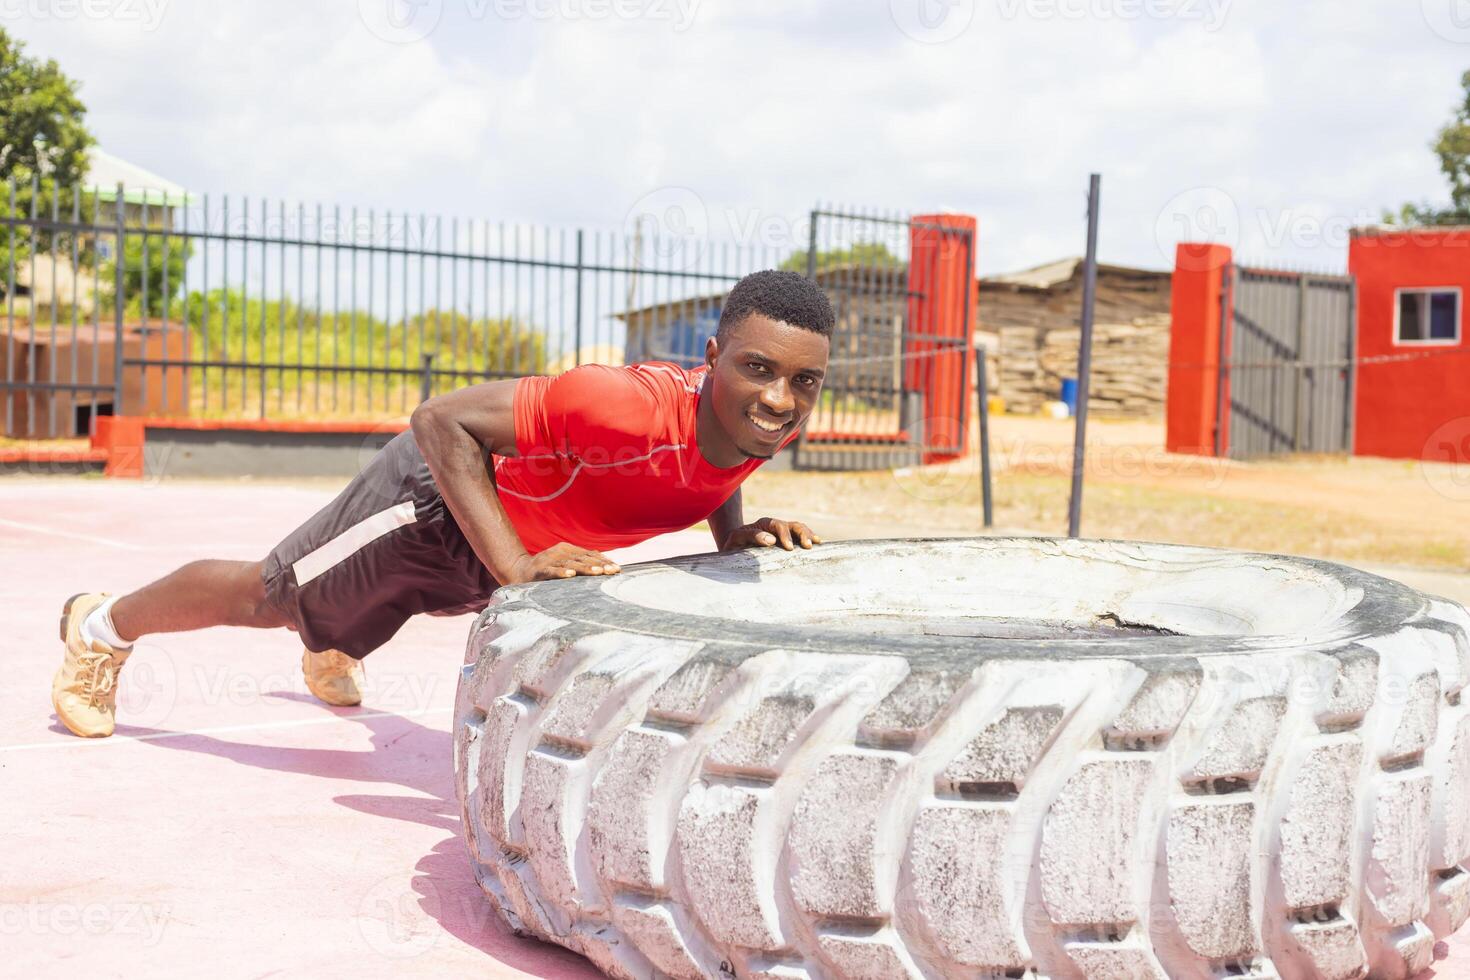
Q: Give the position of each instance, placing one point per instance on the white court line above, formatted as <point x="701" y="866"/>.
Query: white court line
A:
<point x="72" y="741"/>
<point x="90" y="539"/>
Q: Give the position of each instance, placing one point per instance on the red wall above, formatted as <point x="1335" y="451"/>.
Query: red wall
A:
<point x="942" y="282"/>
<point x="1194" y="349"/>
<point x="1400" y="404"/>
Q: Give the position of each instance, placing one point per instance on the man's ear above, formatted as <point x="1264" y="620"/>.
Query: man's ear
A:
<point x="711" y="352"/>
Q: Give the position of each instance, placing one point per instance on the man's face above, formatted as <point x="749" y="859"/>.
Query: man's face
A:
<point x="766" y="379"/>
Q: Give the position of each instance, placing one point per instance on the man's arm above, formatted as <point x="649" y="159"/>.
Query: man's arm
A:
<point x="456" y="432"/>
<point x="726" y="518"/>
<point x="730" y="531"/>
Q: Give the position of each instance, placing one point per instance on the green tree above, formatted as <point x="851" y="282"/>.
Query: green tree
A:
<point x="41" y="128"/>
<point x="43" y="145"/>
<point x="162" y="268"/>
<point x="868" y="254"/>
<point x="1452" y="146"/>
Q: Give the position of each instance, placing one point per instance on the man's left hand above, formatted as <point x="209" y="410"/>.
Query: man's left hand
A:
<point x="769" y="532"/>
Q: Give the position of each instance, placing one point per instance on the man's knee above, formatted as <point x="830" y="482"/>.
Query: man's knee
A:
<point x="257" y="609"/>
<point x="252" y="576"/>
<point x="266" y="616"/>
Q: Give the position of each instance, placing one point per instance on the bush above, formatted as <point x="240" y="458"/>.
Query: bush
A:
<point x="228" y="325"/>
<point x="166" y="256"/>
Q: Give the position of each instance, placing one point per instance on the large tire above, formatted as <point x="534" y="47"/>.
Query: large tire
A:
<point x="1012" y="757"/>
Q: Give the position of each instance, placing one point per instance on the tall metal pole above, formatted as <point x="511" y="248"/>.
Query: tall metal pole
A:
<point x="811" y="247"/>
<point x="119" y="300"/>
<point x="982" y="416"/>
<point x="1084" y="355"/>
<point x="1298" y="416"/>
<point x="1222" y="360"/>
<point x="1350" y="393"/>
<point x="577" y="311"/>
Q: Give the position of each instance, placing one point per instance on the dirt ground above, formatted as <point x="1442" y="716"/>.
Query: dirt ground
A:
<point x="1384" y="514"/>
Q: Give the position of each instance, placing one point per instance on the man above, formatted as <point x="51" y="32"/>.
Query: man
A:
<point x="510" y="481"/>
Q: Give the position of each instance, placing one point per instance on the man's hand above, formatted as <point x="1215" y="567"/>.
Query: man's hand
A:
<point x="561" y="561"/>
<point x="769" y="532"/>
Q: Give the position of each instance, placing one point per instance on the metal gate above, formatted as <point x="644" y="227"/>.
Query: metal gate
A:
<point x="1289" y="373"/>
<point x="894" y="393"/>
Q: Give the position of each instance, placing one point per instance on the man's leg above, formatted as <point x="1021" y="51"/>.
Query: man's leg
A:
<point x="198" y="595"/>
<point x="345" y="581"/>
<point x="99" y="630"/>
<point x="221" y="593"/>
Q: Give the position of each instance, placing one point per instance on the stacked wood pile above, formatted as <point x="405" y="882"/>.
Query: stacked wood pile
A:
<point x="991" y="343"/>
<point x="1036" y="314"/>
<point x="1129" y="364"/>
<point x="1020" y="368"/>
<point x="1051" y="296"/>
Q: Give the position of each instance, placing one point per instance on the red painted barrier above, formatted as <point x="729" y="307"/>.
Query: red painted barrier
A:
<point x="1192" y="396"/>
<point x="122" y="438"/>
<point x="942" y="305"/>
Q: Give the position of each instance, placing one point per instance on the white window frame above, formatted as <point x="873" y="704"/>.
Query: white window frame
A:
<point x="1398" y="306"/>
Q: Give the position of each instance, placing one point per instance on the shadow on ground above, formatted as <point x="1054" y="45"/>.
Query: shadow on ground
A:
<point x="412" y="756"/>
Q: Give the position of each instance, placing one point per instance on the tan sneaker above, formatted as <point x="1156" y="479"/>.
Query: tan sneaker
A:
<point x="333" y="677"/>
<point x="84" y="691"/>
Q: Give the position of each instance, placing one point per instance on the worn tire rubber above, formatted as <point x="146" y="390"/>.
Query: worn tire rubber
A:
<point x="1219" y="764"/>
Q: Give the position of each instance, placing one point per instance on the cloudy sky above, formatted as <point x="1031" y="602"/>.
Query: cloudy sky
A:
<point x="1272" y="124"/>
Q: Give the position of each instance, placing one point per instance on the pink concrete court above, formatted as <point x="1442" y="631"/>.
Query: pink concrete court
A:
<point x="234" y="826"/>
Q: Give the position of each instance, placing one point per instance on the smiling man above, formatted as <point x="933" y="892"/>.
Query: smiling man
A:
<point x="511" y="481"/>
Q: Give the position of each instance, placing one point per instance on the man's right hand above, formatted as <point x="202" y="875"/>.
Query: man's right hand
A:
<point x="562" y="560"/>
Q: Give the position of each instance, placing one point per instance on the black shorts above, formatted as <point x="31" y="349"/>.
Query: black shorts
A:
<point x="384" y="550"/>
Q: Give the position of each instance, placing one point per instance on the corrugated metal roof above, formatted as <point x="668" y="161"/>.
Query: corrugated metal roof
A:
<point x="1039" y="277"/>
<point x="1061" y="271"/>
<point x="105" y="172"/>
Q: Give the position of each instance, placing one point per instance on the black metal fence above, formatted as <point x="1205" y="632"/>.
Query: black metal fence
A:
<point x="899" y="349"/>
<point x="140" y="303"/>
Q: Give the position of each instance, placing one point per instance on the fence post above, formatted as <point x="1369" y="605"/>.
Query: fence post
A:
<point x="982" y="419"/>
<point x="1301" y="341"/>
<point x="117" y="309"/>
<point x="1084" y="356"/>
<point x="940" y="290"/>
<point x="10" y="315"/>
<point x="811" y="247"/>
<point x="426" y="383"/>
<point x="577" y="330"/>
<point x="1222" y="358"/>
<point x="811" y="273"/>
<point x="1198" y="317"/>
<point x="1350" y="409"/>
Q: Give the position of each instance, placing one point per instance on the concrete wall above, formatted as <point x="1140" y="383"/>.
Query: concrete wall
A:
<point x="232" y="452"/>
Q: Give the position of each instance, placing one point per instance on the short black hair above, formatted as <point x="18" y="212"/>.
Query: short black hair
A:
<point x="787" y="297"/>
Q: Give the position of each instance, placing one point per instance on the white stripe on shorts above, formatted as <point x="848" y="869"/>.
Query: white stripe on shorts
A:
<point x="351" y="541"/>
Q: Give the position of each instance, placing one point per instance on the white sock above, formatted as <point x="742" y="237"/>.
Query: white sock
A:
<point x="98" y="626"/>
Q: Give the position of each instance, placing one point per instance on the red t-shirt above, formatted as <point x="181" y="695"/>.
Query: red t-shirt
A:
<point x="608" y="457"/>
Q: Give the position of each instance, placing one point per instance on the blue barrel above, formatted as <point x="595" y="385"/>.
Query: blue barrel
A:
<point x="1069" y="394"/>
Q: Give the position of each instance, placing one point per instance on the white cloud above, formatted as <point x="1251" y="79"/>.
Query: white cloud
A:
<point x="1299" y="113"/>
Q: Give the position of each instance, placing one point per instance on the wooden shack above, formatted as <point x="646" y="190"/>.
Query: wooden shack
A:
<point x="1033" y="318"/>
